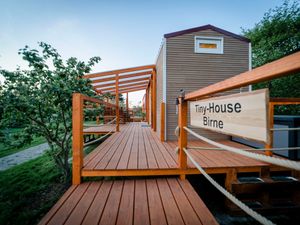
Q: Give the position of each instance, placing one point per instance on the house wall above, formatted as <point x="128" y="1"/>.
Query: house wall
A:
<point x="191" y="71"/>
<point x="159" y="88"/>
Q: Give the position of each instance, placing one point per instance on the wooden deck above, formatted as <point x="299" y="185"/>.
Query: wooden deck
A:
<point x="137" y="151"/>
<point x="140" y="201"/>
<point x="103" y="129"/>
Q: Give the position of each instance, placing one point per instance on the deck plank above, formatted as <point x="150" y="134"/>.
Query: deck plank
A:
<point x="200" y="208"/>
<point x="143" y="162"/>
<point x="133" y="159"/>
<point x="187" y="212"/>
<point x="110" y="212"/>
<point x="171" y="210"/>
<point x="118" y="153"/>
<point x="95" y="211"/>
<point x="123" y="162"/>
<point x="156" y="210"/>
<point x="141" y="213"/>
<point x="132" y="201"/>
<point x="66" y="209"/>
<point x="149" y="152"/>
<point x="83" y="205"/>
<point x="125" y="216"/>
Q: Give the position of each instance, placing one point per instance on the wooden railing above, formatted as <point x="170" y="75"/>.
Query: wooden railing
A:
<point x="279" y="68"/>
<point x="77" y="130"/>
<point x="272" y="103"/>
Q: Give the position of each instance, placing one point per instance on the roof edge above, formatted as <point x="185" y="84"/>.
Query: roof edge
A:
<point x="206" y="27"/>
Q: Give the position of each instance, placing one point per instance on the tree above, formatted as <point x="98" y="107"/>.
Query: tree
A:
<point x="275" y="36"/>
<point x="43" y="97"/>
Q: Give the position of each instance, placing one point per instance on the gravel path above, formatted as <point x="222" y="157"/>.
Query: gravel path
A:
<point x="23" y="156"/>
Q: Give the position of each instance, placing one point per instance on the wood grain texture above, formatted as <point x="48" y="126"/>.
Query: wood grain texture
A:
<point x="128" y="202"/>
<point x="77" y="143"/>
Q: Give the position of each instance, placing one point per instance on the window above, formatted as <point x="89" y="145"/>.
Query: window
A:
<point x="213" y="45"/>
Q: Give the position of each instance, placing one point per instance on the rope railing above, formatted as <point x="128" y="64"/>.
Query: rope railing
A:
<point x="276" y="161"/>
<point x="98" y="139"/>
<point x="100" y="125"/>
<point x="232" y="198"/>
<point x="248" y="149"/>
<point x="285" y="129"/>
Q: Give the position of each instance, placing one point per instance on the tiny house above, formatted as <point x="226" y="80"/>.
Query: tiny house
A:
<point x="192" y="59"/>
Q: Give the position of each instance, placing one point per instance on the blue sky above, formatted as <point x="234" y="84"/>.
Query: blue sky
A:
<point x="122" y="33"/>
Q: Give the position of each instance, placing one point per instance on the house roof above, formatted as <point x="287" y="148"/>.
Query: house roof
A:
<point x="206" y="27"/>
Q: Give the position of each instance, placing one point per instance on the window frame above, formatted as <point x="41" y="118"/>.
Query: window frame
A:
<point x="214" y="40"/>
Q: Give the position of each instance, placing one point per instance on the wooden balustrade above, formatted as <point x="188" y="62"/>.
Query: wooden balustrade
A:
<point x="77" y="131"/>
<point x="272" y="103"/>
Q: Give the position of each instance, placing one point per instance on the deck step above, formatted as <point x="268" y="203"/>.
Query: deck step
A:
<point x="268" y="194"/>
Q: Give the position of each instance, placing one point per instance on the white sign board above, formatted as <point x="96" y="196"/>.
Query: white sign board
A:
<point x="244" y="114"/>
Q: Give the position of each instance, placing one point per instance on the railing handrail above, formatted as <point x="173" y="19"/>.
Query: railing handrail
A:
<point x="96" y="100"/>
<point x="287" y="65"/>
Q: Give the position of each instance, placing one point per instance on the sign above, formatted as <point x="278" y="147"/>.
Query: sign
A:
<point x="244" y="115"/>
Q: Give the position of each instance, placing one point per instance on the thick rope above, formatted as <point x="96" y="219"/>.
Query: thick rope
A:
<point x="176" y="132"/>
<point x="276" y="161"/>
<point x="232" y="198"/>
<point x="99" y="125"/>
<point x="250" y="149"/>
<point x="97" y="140"/>
<point x="285" y="129"/>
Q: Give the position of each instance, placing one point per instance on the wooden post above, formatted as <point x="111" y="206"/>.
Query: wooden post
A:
<point x="231" y="176"/>
<point x="182" y="140"/>
<point x="117" y="104"/>
<point x="147" y="105"/>
<point x="151" y="103"/>
<point x="271" y="126"/>
<point x="162" y="121"/>
<point x="127" y="106"/>
<point x="154" y="99"/>
<point x="77" y="144"/>
<point x="97" y="117"/>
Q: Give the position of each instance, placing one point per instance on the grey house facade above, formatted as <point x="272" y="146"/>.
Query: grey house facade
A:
<point x="192" y="59"/>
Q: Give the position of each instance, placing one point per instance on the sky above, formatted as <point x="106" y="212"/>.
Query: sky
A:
<point x="123" y="33"/>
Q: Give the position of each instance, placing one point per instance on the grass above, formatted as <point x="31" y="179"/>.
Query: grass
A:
<point x="8" y="150"/>
<point x="29" y="190"/>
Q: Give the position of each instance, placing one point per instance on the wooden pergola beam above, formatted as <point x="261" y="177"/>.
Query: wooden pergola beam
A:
<point x="132" y="87"/>
<point x="124" y="86"/>
<point x="127" y="90"/>
<point x="122" y="77"/>
<point x="120" y="71"/>
<point x="122" y="82"/>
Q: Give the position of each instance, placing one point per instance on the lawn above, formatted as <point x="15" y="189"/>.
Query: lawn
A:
<point x="8" y="150"/>
<point x="29" y="190"/>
